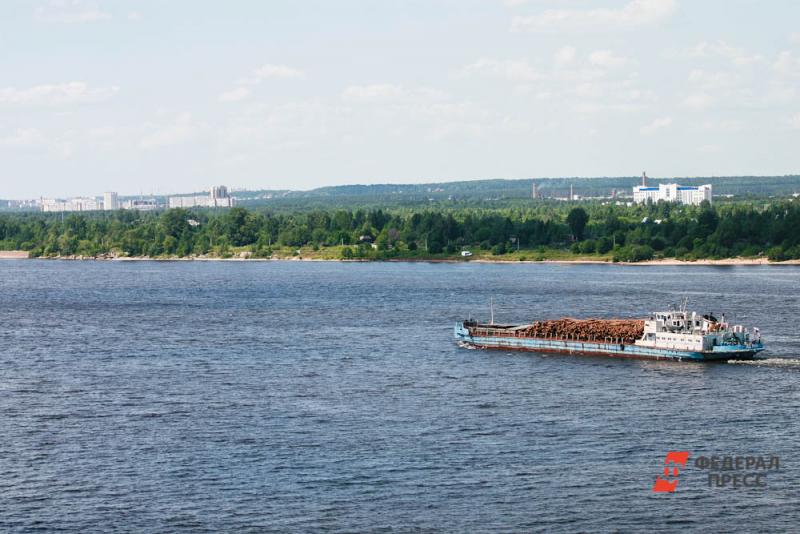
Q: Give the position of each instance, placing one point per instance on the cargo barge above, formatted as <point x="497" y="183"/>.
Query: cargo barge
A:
<point x="672" y="335"/>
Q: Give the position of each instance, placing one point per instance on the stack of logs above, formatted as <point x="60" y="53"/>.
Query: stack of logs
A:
<point x="609" y="330"/>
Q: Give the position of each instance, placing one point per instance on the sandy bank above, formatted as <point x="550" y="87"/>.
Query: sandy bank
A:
<point x="13" y="255"/>
<point x="663" y="262"/>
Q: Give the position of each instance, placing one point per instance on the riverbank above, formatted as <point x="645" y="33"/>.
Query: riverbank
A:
<point x="509" y="258"/>
<point x="13" y="255"/>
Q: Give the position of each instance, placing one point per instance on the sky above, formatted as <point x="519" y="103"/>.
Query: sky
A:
<point x="154" y="97"/>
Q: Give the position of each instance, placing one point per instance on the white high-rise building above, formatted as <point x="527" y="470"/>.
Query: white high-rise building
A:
<point x="72" y="204"/>
<point x="110" y="201"/>
<point x="218" y="197"/>
<point x="143" y="204"/>
<point x="187" y="202"/>
<point x="672" y="193"/>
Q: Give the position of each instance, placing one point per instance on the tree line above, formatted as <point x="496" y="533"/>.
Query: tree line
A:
<point x="628" y="233"/>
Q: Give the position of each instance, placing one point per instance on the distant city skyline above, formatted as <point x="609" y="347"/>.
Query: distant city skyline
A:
<point x="167" y="98"/>
<point x="216" y="197"/>
<point x="104" y="197"/>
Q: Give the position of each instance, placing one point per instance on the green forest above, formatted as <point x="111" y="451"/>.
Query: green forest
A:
<point x="537" y="231"/>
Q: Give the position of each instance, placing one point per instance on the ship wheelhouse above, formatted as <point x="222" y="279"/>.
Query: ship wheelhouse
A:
<point x="679" y="329"/>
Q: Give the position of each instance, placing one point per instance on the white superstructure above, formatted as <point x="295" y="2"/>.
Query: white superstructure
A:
<point x="682" y="330"/>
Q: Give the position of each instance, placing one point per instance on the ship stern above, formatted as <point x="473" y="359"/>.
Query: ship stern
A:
<point x="735" y="352"/>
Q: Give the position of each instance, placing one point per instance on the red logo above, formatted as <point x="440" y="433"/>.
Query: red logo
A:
<point x="671" y="470"/>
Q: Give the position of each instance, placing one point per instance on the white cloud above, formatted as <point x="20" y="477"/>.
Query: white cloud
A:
<point x="787" y="64"/>
<point x="445" y="131"/>
<point x="605" y="107"/>
<point x="656" y="125"/>
<point x="711" y="81"/>
<point x="370" y="114"/>
<point x="724" y="126"/>
<point x="698" y="101"/>
<point x="463" y="111"/>
<point x="565" y="56"/>
<point x="589" y="89"/>
<point x="633" y="14"/>
<point x="709" y="149"/>
<point x="385" y="93"/>
<point x="265" y="72"/>
<point x="256" y="77"/>
<point x="102" y="132"/>
<point x="134" y="16"/>
<point x="93" y="139"/>
<point x="596" y="85"/>
<point x="56" y="94"/>
<point x="795" y="38"/>
<point x="374" y="92"/>
<point x="181" y="129"/>
<point x="288" y="126"/>
<point x="717" y="49"/>
<point x="277" y="71"/>
<point x="515" y="70"/>
<point x="794" y="121"/>
<point x="23" y="138"/>
<point x="71" y="12"/>
<point x="606" y="58"/>
<point x="234" y="95"/>
<point x="33" y="139"/>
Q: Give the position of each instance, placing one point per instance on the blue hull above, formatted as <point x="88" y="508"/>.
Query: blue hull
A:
<point x="618" y="350"/>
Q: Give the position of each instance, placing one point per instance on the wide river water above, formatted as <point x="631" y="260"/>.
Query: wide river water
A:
<point x="330" y="397"/>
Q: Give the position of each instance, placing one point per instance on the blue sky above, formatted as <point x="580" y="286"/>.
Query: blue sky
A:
<point x="163" y="97"/>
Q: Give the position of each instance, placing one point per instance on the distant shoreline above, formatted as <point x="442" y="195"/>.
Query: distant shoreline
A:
<point x="13" y="255"/>
<point x="19" y="255"/>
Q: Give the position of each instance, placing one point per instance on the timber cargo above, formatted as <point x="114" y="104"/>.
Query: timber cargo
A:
<point x="671" y="335"/>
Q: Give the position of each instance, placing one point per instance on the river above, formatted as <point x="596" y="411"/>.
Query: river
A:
<point x="330" y="397"/>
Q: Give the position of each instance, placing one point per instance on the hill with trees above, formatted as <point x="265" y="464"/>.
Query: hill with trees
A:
<point x="501" y="192"/>
<point x="540" y="230"/>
